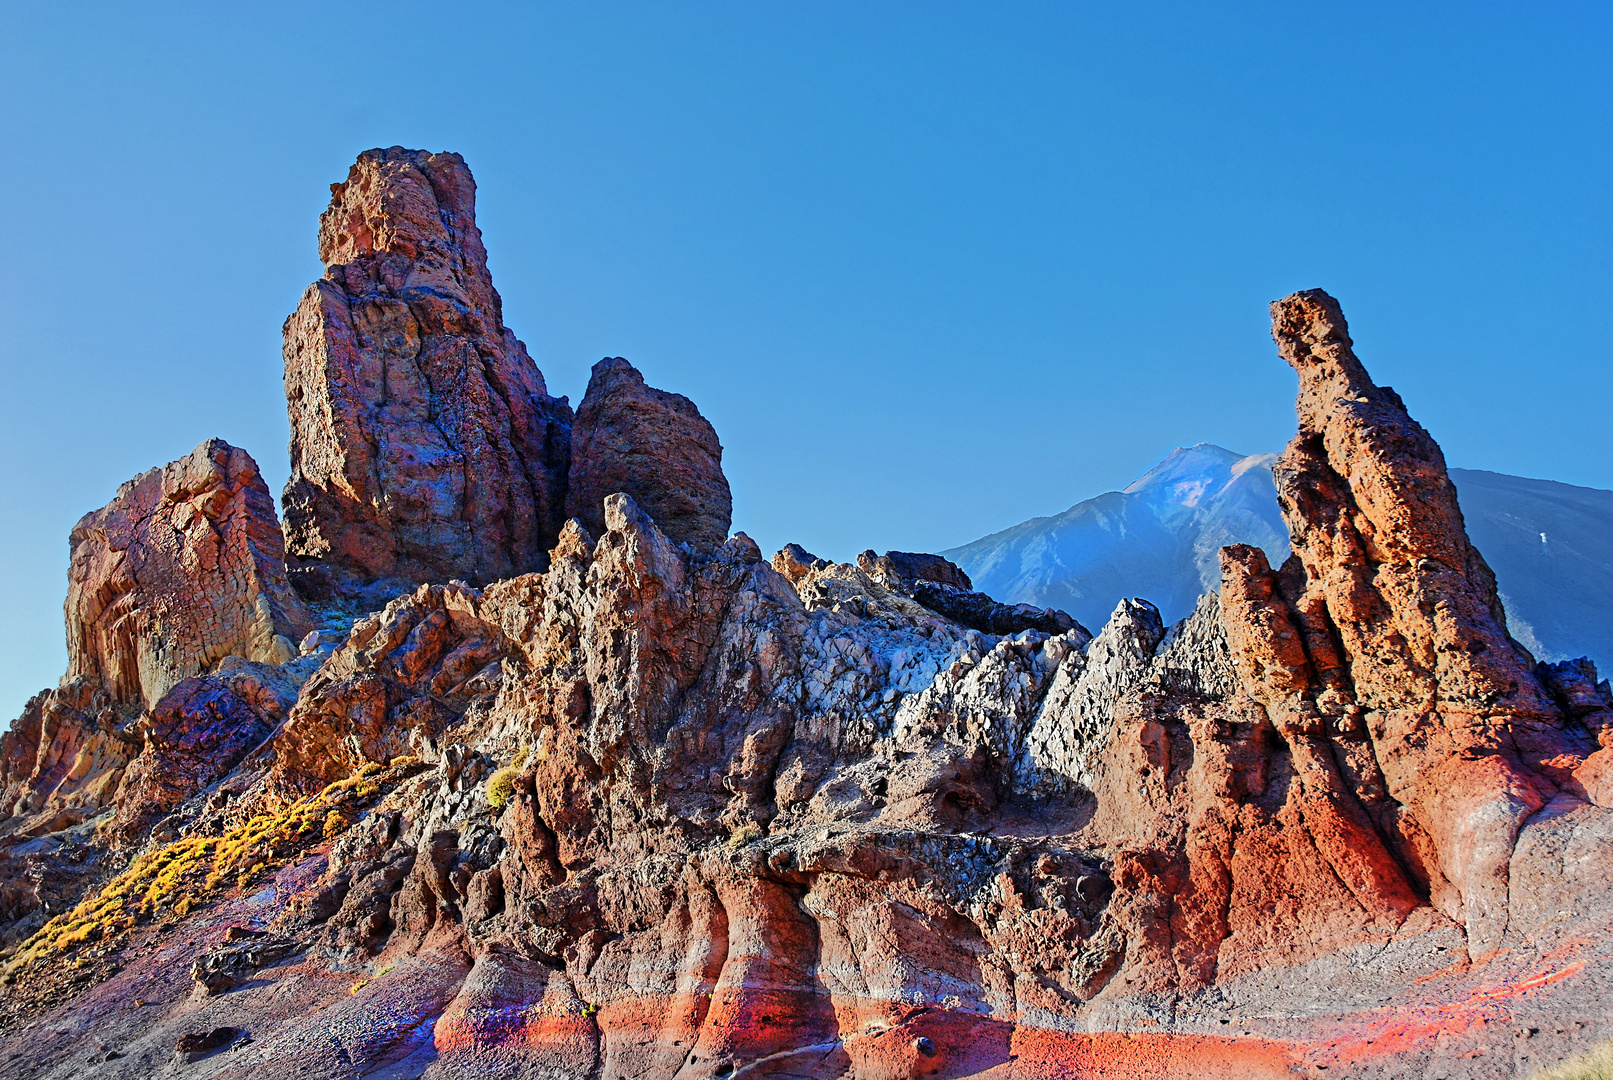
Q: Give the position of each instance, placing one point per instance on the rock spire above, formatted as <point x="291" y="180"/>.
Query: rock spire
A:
<point x="424" y="443"/>
<point x="1384" y="631"/>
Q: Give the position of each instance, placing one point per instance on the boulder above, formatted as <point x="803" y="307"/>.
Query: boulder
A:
<point x="654" y="447"/>
<point x="424" y="443"/>
<point x="942" y="586"/>
<point x="184" y="567"/>
<point x="914" y="566"/>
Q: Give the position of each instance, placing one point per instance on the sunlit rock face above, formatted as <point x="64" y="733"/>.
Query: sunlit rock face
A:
<point x="656" y="448"/>
<point x="424" y="444"/>
<point x="184" y="567"/>
<point x="666" y="809"/>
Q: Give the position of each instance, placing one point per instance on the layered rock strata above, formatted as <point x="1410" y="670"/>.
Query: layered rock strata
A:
<point x="185" y="566"/>
<point x="667" y="810"/>
<point x="424" y="444"/>
<point x="654" y="447"/>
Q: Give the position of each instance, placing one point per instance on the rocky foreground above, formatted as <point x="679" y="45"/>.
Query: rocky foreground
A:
<point x="510" y="761"/>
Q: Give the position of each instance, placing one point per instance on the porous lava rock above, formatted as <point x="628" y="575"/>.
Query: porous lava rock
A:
<point x="185" y="566"/>
<point x="1380" y="648"/>
<point x="197" y="733"/>
<point x="664" y="809"/>
<point x="654" y="447"/>
<point x="424" y="443"/>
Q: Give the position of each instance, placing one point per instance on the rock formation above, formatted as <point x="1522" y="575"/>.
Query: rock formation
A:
<point x="654" y="447"/>
<point x="424" y="444"/>
<point x="942" y="586"/>
<point x="665" y="809"/>
<point x="184" y="567"/>
<point x="1383" y="637"/>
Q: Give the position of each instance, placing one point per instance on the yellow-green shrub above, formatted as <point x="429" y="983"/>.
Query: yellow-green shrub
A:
<point x="182" y="875"/>
<point x="1596" y="1064"/>
<point x="501" y="785"/>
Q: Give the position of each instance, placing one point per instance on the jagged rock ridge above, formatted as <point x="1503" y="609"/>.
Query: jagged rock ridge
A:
<point x="666" y="809"/>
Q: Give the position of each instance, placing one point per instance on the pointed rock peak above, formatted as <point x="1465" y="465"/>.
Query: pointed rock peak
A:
<point x="653" y="446"/>
<point x="424" y="444"/>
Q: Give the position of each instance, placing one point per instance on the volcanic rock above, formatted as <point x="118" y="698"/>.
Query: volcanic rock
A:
<point x="942" y="587"/>
<point x="796" y="562"/>
<point x="654" y="447"/>
<point x="909" y="566"/>
<point x="184" y="567"/>
<point x="198" y="1044"/>
<point x="1384" y="631"/>
<point x="62" y="758"/>
<point x="197" y="733"/>
<point x="424" y="444"/>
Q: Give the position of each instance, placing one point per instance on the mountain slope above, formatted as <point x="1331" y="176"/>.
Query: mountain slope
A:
<point x="1550" y="545"/>
<point x="1157" y="539"/>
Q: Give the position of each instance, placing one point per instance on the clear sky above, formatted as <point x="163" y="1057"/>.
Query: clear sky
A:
<point x="929" y="268"/>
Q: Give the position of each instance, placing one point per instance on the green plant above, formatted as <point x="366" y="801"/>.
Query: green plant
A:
<point x="1595" y="1064"/>
<point x="501" y="785"/>
<point x="175" y="879"/>
<point x="748" y="833"/>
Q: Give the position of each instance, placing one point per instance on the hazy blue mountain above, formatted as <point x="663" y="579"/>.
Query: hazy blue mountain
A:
<point x="1550" y="544"/>
<point x="1551" y="547"/>
<point x="1157" y="539"/>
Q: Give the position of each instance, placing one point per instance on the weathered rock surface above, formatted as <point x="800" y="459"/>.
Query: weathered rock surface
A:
<point x="424" y="444"/>
<point x="184" y="567"/>
<point x="942" y="587"/>
<point x="1381" y="647"/>
<point x="667" y="810"/>
<point x="654" y="447"/>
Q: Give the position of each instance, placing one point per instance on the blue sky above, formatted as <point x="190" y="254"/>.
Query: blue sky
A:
<point x="930" y="268"/>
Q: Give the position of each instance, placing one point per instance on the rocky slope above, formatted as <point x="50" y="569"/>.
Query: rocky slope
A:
<point x="667" y="809"/>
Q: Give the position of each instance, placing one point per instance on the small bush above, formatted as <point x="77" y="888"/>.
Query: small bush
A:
<point x="1597" y="1064"/>
<point x="748" y="833"/>
<point x="181" y="876"/>
<point x="501" y="786"/>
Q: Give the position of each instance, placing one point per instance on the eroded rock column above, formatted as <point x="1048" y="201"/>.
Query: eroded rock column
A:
<point x="424" y="443"/>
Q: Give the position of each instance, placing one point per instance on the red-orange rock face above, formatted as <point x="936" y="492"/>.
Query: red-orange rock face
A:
<point x="1382" y="647"/>
<point x="184" y="567"/>
<point x="654" y="447"/>
<point x="424" y="445"/>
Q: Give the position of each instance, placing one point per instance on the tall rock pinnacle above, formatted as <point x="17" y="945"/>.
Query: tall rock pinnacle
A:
<point x="1384" y="627"/>
<point x="424" y="444"/>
